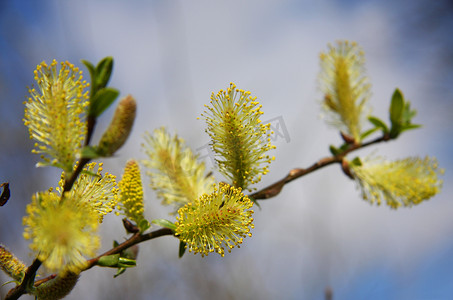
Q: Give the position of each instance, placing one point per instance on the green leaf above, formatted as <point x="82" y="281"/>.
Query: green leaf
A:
<point x="124" y="262"/>
<point x="101" y="101"/>
<point x="334" y="150"/>
<point x="410" y="126"/>
<point x="89" y="152"/>
<point x="104" y="71"/>
<point x="143" y="225"/>
<point x="120" y="271"/>
<point x="90" y="67"/>
<point x="255" y="202"/>
<point x="50" y="164"/>
<point x="92" y="71"/>
<point x="379" y="124"/>
<point x="356" y="162"/>
<point x="182" y="248"/>
<point x="110" y="261"/>
<point x="164" y="223"/>
<point x="408" y="114"/>
<point x="100" y="75"/>
<point x="11" y="281"/>
<point x="368" y="132"/>
<point x="397" y="107"/>
<point x="396" y="113"/>
<point x="344" y="147"/>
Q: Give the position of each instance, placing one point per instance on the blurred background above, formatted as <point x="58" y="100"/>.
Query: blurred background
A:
<point x="171" y="55"/>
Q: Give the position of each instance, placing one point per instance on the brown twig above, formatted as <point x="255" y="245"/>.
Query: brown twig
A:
<point x="275" y="188"/>
<point x="44" y="280"/>
<point x="133" y="240"/>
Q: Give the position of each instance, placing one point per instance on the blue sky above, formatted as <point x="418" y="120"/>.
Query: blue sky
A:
<point x="171" y="55"/>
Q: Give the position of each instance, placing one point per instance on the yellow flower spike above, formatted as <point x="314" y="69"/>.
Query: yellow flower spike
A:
<point x="345" y="86"/>
<point x="405" y="182"/>
<point x="55" y="114"/>
<point x="238" y="138"/>
<point x="131" y="192"/>
<point x="215" y="221"/>
<point x="62" y="230"/>
<point x="175" y="173"/>
<point x="11" y="265"/>
<point x="119" y="129"/>
<point x="99" y="191"/>
<point x="57" y="288"/>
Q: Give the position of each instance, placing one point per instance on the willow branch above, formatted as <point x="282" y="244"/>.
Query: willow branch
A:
<point x="275" y="188"/>
<point x="133" y="240"/>
<point x="266" y="193"/>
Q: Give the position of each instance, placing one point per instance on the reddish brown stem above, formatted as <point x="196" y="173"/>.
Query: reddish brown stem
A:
<point x="275" y="188"/>
<point x="133" y="240"/>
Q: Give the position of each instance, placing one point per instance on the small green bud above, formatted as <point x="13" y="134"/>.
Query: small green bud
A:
<point x="109" y="260"/>
<point x="401" y="115"/>
<point x="120" y="127"/>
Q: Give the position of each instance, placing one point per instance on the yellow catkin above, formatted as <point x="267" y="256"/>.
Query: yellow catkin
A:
<point x="215" y="221"/>
<point x="55" y="114"/>
<point x="57" y="288"/>
<point x="175" y="173"/>
<point x="11" y="265"/>
<point x="238" y="138"/>
<point x="404" y="182"/>
<point x="131" y="192"/>
<point x="62" y="230"/>
<point x="345" y="86"/>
